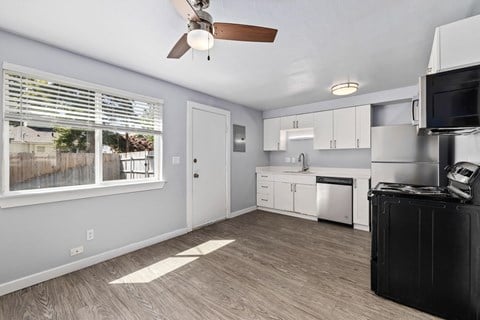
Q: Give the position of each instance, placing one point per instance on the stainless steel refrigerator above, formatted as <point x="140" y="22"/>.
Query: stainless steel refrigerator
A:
<point x="400" y="155"/>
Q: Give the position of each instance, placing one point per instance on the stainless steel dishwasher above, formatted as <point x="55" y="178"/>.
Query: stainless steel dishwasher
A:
<point x="334" y="199"/>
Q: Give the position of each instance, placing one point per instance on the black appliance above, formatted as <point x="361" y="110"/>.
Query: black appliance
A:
<point x="426" y="244"/>
<point x="450" y="101"/>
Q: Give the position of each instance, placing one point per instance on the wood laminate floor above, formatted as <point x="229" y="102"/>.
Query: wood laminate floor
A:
<point x="277" y="267"/>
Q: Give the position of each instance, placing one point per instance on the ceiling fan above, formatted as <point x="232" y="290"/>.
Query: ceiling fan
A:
<point x="202" y="31"/>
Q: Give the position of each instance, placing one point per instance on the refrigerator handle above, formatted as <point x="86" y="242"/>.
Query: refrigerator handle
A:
<point x="414" y="102"/>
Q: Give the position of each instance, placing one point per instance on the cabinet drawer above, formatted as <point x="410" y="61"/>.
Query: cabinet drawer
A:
<point x="265" y="200"/>
<point x="264" y="187"/>
<point x="264" y="177"/>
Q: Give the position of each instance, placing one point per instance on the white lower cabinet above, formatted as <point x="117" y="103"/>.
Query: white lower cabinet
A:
<point x="265" y="200"/>
<point x="283" y="196"/>
<point x="305" y="199"/>
<point x="265" y="191"/>
<point x="295" y="197"/>
<point x="361" y="208"/>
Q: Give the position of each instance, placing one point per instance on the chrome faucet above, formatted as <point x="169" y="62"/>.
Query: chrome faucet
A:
<point x="301" y="157"/>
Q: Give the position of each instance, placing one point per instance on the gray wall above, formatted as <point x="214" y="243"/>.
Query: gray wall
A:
<point x="380" y="97"/>
<point x="36" y="238"/>
<point x="321" y="158"/>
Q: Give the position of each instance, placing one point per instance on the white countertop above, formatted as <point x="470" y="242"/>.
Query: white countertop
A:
<point x="355" y="173"/>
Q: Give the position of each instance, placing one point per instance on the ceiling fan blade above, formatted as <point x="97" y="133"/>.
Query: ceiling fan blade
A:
<point x="180" y="48"/>
<point x="243" y="32"/>
<point x="185" y="9"/>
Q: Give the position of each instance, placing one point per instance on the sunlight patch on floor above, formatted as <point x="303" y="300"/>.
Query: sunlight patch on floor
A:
<point x="155" y="270"/>
<point x="161" y="268"/>
<point x="205" y="248"/>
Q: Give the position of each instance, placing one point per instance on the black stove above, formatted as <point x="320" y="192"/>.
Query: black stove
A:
<point x="426" y="244"/>
<point x="463" y="186"/>
<point x="417" y="191"/>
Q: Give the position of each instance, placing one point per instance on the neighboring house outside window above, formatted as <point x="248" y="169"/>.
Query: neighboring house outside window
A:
<point x="64" y="133"/>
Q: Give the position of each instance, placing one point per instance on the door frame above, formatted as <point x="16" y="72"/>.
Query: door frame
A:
<point x="191" y="105"/>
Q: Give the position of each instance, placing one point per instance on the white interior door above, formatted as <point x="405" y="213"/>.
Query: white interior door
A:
<point x="209" y="167"/>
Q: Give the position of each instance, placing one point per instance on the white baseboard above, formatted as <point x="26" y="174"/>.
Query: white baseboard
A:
<point x="290" y="214"/>
<point x="361" y="227"/>
<point x="240" y="212"/>
<point x="42" y="276"/>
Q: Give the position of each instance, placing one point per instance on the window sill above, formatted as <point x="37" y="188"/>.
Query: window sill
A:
<point x="31" y="197"/>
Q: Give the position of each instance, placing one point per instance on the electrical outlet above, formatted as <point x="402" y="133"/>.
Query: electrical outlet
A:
<point x="75" y="251"/>
<point x="294" y="159"/>
<point x="90" y="234"/>
<point x="175" y="160"/>
<point x="287" y="159"/>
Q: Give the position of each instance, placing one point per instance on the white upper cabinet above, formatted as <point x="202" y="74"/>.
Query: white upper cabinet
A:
<point x="344" y="128"/>
<point x="323" y="130"/>
<point x="305" y="120"/>
<point x="300" y="121"/>
<point x="433" y="62"/>
<point x="287" y="123"/>
<point x="272" y="136"/>
<point x="347" y="128"/>
<point x="456" y="45"/>
<point x="362" y="126"/>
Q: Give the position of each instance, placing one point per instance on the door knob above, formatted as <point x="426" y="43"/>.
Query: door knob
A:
<point x="196" y="175"/>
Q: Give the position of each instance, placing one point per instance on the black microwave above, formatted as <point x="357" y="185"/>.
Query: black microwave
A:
<point x="450" y="102"/>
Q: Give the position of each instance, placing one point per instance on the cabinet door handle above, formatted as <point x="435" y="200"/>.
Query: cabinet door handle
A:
<point x="295" y="187"/>
<point x="265" y="200"/>
<point x="358" y="143"/>
<point x="293" y="124"/>
<point x="330" y="144"/>
<point x="297" y="124"/>
<point x="265" y="187"/>
<point x="291" y="187"/>
<point x="335" y="144"/>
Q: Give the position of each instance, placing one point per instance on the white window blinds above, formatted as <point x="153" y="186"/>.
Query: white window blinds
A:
<point x="31" y="98"/>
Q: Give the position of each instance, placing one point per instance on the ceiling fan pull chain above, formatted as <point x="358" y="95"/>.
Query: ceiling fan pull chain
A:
<point x="208" y="57"/>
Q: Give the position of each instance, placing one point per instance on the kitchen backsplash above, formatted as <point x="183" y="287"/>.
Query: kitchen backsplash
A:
<point x="320" y="158"/>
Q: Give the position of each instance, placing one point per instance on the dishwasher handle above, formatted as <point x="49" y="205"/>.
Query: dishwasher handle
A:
<point x="334" y="180"/>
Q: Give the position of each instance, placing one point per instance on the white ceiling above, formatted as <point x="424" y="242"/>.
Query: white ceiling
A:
<point x="380" y="44"/>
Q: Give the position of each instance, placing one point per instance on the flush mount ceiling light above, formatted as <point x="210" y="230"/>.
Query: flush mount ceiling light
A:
<point x="345" y="88"/>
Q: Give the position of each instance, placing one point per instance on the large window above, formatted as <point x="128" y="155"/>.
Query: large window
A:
<point x="64" y="133"/>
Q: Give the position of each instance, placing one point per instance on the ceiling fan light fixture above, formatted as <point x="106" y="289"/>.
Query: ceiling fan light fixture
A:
<point x="200" y="35"/>
<point x="346" y="88"/>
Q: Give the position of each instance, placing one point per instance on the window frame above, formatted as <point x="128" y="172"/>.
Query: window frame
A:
<point x="99" y="188"/>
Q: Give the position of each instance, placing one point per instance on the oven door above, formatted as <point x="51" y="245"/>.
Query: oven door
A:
<point x="450" y="101"/>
